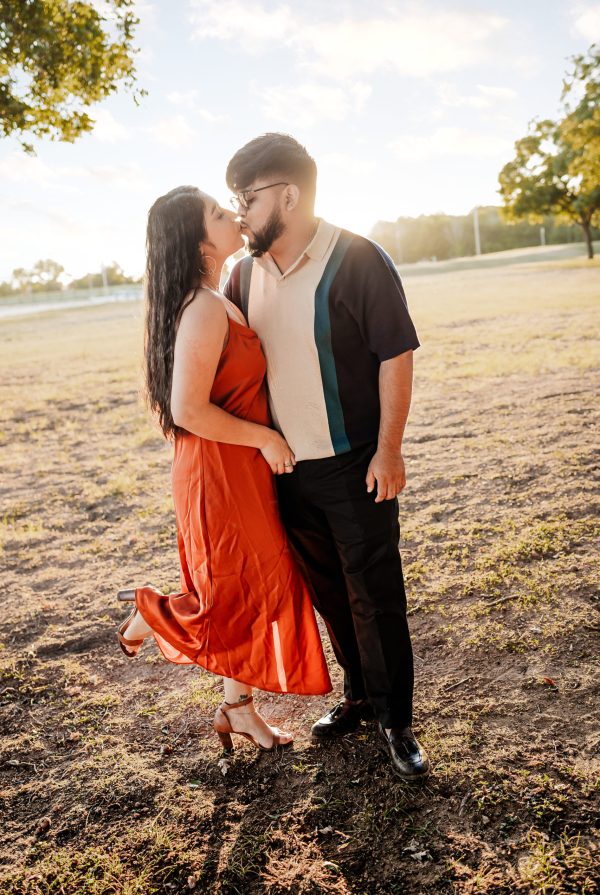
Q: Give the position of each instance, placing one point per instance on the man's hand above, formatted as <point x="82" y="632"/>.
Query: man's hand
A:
<point x="387" y="470"/>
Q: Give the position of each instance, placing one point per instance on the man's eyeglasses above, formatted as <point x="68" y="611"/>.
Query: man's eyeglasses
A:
<point x="241" y="198"/>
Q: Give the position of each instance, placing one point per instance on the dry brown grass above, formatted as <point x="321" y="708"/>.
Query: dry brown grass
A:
<point x="108" y="770"/>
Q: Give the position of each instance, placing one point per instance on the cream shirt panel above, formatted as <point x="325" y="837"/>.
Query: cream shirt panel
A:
<point x="281" y="310"/>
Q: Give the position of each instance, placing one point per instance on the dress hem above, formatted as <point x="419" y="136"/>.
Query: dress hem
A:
<point x="189" y="661"/>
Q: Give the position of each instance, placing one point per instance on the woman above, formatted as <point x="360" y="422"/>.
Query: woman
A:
<point x="244" y="611"/>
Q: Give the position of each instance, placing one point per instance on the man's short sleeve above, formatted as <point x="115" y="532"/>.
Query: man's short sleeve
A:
<point x="370" y="287"/>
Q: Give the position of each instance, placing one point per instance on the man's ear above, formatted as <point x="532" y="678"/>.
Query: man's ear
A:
<point x="291" y="197"/>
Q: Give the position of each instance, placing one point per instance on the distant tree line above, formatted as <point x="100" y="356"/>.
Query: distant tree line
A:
<point x="443" y="236"/>
<point x="550" y="190"/>
<point x="113" y="276"/>
<point x="45" y="276"/>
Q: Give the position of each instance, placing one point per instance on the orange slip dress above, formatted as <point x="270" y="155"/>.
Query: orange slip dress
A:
<point x="245" y="611"/>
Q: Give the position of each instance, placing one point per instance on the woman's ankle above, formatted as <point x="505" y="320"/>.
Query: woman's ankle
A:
<point x="235" y="692"/>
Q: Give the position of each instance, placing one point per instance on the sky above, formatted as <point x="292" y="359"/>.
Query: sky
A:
<point x="407" y="107"/>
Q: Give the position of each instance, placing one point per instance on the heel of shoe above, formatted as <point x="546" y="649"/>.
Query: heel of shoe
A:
<point x="126" y="596"/>
<point x="226" y="741"/>
<point x="129" y="647"/>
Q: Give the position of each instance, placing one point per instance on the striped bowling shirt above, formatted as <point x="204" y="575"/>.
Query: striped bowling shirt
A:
<point x="325" y="325"/>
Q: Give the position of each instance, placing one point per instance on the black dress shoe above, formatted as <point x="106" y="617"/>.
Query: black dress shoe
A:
<point x="409" y="759"/>
<point x="341" y="719"/>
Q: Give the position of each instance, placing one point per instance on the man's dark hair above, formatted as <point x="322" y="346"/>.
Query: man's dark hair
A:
<point x="273" y="155"/>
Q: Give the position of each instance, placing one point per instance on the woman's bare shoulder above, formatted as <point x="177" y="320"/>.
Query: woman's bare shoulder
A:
<point x="202" y="306"/>
<point x="204" y="301"/>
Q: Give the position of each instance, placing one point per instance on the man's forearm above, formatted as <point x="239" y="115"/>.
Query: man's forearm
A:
<point x="395" y="392"/>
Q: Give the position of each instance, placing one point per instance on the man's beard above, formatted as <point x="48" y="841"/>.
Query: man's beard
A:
<point x="261" y="241"/>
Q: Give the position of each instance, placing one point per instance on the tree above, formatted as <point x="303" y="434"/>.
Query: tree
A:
<point x="22" y="278"/>
<point x="581" y="127"/>
<point x="451" y="236"/>
<point x="555" y="169"/>
<point x="57" y="58"/>
<point x="112" y="275"/>
<point x="43" y="277"/>
<point x="115" y="276"/>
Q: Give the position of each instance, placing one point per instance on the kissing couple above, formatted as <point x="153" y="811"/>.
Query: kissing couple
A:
<point x="286" y="398"/>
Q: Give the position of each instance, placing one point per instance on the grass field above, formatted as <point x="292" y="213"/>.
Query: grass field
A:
<point x="110" y="782"/>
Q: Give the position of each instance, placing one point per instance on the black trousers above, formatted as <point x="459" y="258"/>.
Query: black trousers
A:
<point x="348" y="547"/>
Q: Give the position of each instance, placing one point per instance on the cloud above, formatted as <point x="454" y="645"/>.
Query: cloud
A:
<point x="55" y="216"/>
<point x="173" y="131"/>
<point x="340" y="164"/>
<point x="497" y="93"/>
<point x="20" y="168"/>
<point x="108" y="130"/>
<point x="188" y="100"/>
<point x="250" y="23"/>
<point x="587" y="21"/>
<point x="449" y="141"/>
<point x="185" y="98"/>
<point x="483" y="99"/>
<point x="128" y="176"/>
<point x="413" y="40"/>
<point x="415" y="43"/>
<point x="449" y="95"/>
<point x="528" y="66"/>
<point x="306" y="105"/>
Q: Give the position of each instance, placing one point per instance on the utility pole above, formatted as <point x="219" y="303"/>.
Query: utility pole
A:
<point x="542" y="236"/>
<point x="476" y="230"/>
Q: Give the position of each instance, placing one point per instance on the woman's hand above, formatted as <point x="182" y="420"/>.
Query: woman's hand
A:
<point x="277" y="453"/>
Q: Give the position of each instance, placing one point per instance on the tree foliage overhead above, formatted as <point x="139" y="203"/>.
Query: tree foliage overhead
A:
<point x="57" y="58"/>
<point x="581" y="127"/>
<point x="556" y="169"/>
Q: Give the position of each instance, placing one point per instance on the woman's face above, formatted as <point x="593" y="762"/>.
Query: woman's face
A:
<point x="223" y="233"/>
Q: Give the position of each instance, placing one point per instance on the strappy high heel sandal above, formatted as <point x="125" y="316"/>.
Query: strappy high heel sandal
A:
<point x="130" y="647"/>
<point x="223" y="729"/>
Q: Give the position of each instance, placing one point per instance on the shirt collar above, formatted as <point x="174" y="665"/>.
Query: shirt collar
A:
<point x="315" y="250"/>
<point x="321" y="241"/>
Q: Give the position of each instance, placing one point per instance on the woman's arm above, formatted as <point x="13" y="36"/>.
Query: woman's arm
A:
<point x="198" y="347"/>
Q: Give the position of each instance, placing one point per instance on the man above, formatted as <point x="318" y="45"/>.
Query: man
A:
<point x="329" y="309"/>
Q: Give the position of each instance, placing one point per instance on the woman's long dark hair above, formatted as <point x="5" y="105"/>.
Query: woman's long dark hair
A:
<point x="174" y="267"/>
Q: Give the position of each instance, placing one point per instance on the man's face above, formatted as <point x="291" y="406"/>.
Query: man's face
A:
<point x="262" y="222"/>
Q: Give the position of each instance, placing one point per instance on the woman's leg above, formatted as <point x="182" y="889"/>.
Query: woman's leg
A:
<point x="246" y="719"/>
<point x="137" y="628"/>
<point x="235" y="692"/>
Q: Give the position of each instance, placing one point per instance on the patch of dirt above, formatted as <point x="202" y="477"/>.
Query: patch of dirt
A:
<point x="110" y="774"/>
